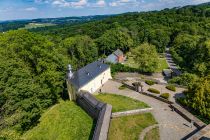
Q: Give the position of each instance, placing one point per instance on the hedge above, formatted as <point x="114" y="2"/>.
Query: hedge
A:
<point x="150" y="82"/>
<point x="165" y="95"/>
<point x="171" y="87"/>
<point x="121" y="68"/>
<point x="154" y="90"/>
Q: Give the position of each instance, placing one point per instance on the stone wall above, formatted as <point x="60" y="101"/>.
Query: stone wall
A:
<point x="99" y="111"/>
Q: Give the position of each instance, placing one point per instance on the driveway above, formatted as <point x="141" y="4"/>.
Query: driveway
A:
<point x="172" y="125"/>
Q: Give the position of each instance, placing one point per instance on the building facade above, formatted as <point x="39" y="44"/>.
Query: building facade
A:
<point x="116" y="57"/>
<point x="89" y="78"/>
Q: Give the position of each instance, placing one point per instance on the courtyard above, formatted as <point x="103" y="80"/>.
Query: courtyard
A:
<point x="171" y="125"/>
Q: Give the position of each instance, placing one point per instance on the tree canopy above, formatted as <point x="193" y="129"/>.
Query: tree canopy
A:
<point x="146" y="56"/>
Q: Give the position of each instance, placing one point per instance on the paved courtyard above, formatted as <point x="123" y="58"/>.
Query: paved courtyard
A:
<point x="172" y="125"/>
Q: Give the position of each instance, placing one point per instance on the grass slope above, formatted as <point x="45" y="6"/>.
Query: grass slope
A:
<point x="121" y="103"/>
<point x="64" y="121"/>
<point x="129" y="127"/>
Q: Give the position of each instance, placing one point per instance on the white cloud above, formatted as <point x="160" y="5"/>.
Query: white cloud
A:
<point x="30" y="9"/>
<point x="199" y="1"/>
<point x="101" y="3"/>
<point x="8" y="9"/>
<point x="42" y="1"/>
<point x="64" y="3"/>
<point x="113" y="4"/>
<point x="80" y="3"/>
<point x="124" y="2"/>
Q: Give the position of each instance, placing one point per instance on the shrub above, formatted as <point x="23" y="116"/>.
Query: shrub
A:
<point x="149" y="82"/>
<point x="122" y="87"/>
<point x="154" y="90"/>
<point x="171" y="87"/>
<point x="165" y="95"/>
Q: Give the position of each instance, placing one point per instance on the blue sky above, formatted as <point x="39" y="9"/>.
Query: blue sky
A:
<point x="30" y="9"/>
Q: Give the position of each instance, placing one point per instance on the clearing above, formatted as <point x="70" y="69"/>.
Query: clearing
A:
<point x="37" y="25"/>
<point x="162" y="63"/>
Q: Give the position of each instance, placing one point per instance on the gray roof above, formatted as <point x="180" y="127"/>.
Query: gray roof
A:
<point x="88" y="73"/>
<point x="118" y="52"/>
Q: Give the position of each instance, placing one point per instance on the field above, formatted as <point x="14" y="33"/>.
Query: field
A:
<point x="162" y="63"/>
<point x="129" y="127"/>
<point x="37" y="25"/>
<point x="63" y="121"/>
<point x="121" y="103"/>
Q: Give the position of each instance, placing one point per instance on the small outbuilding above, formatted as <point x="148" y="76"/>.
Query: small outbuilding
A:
<point x="89" y="78"/>
<point x="116" y="57"/>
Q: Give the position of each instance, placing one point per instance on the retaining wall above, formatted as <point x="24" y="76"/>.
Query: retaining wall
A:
<point x="99" y="111"/>
<point x="201" y="134"/>
<point x="131" y="112"/>
<point x="188" y="116"/>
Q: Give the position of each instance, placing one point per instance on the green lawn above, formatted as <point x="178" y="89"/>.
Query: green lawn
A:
<point x="153" y="134"/>
<point x="37" y="25"/>
<point x="64" y="121"/>
<point x="162" y="63"/>
<point x="129" y="127"/>
<point x="121" y="103"/>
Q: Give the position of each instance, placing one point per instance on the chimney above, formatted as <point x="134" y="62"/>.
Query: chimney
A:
<point x="88" y="73"/>
<point x="69" y="72"/>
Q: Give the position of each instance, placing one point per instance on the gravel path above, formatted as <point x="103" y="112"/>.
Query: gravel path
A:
<point x="171" y="63"/>
<point x="172" y="125"/>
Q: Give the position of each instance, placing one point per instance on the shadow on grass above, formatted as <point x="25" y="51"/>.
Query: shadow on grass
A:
<point x="92" y="129"/>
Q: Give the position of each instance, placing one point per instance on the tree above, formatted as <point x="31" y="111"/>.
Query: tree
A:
<point x="114" y="39"/>
<point x="81" y="49"/>
<point x="146" y="56"/>
<point x="198" y="97"/>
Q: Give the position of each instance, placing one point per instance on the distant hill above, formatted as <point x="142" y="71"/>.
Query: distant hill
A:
<point x="16" y="24"/>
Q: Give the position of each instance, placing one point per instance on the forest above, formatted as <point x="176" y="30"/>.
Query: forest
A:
<point x="33" y="62"/>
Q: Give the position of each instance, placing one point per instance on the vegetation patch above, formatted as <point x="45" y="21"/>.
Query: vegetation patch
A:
<point x="63" y="121"/>
<point x="153" y="134"/>
<point x="154" y="90"/>
<point x="129" y="127"/>
<point x="171" y="87"/>
<point x="165" y="95"/>
<point x="150" y="82"/>
<point x="122" y="87"/>
<point x="121" y="103"/>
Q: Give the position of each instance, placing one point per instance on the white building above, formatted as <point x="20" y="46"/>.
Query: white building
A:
<point x="89" y="78"/>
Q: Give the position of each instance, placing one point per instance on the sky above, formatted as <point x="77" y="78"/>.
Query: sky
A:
<point x="31" y="9"/>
